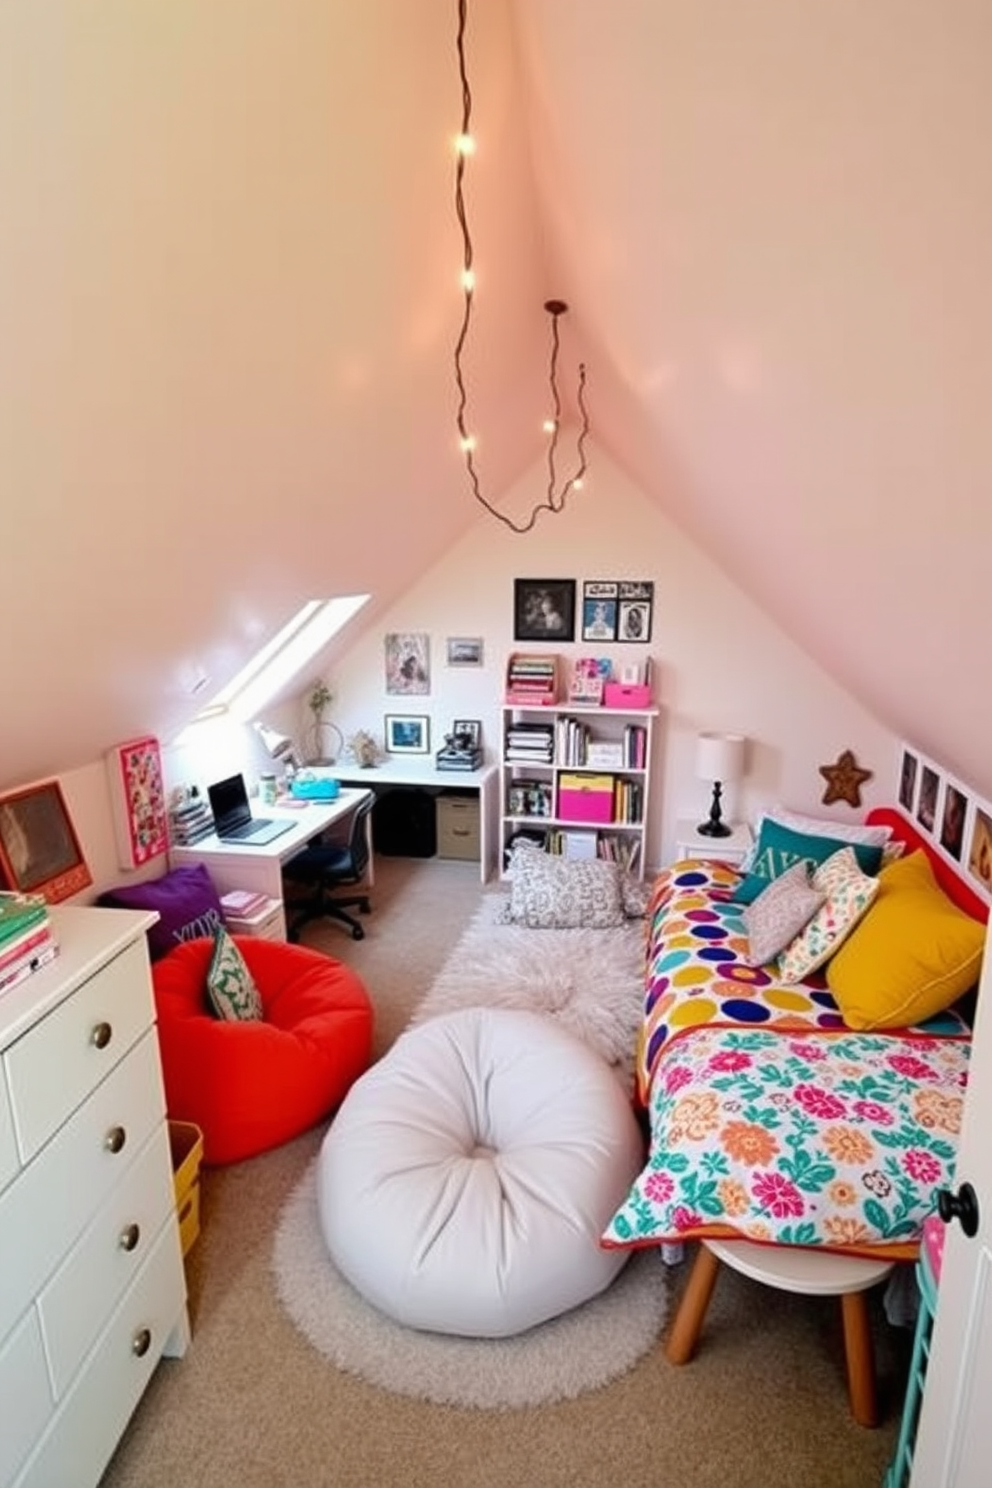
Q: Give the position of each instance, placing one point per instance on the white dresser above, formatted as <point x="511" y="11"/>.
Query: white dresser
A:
<point x="92" y="1289"/>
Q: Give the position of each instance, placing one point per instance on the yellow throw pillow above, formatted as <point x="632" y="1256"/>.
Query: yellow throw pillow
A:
<point x="913" y="954"/>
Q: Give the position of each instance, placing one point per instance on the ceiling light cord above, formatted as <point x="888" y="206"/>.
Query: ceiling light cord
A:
<point x="555" y="497"/>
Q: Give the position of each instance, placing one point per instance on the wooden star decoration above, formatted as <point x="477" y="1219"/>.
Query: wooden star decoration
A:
<point x="844" y="780"/>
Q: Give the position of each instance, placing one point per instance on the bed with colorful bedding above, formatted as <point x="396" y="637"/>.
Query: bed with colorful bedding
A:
<point x="812" y="1097"/>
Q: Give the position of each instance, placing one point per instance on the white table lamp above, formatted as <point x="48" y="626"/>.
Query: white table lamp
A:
<point x="719" y="758"/>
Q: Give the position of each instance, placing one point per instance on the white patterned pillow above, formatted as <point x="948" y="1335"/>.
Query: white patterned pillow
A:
<point x="780" y="912"/>
<point x="230" y="988"/>
<point x="553" y="893"/>
<point x="849" y="893"/>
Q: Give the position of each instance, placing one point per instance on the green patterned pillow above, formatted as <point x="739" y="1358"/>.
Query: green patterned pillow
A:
<point x="230" y="989"/>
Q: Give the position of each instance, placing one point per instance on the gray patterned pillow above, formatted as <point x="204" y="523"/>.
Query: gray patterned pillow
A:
<point x="778" y="914"/>
<point x="553" y="893"/>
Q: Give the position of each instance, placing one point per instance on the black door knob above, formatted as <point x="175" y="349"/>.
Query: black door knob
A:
<point x="963" y="1206"/>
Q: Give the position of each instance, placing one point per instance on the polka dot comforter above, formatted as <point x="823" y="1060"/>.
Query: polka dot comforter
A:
<point x="769" y="1118"/>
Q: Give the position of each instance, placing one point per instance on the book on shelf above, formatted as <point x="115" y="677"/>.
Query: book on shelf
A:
<point x="19" y="912"/>
<point x="243" y="902"/>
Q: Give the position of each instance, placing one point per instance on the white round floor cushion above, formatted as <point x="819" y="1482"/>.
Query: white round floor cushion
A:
<point x="467" y="1177"/>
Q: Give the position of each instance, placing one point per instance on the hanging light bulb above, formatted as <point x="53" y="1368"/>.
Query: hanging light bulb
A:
<point x="556" y="494"/>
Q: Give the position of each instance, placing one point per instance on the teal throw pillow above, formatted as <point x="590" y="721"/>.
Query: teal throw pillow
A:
<point x="780" y="847"/>
<point x="230" y="989"/>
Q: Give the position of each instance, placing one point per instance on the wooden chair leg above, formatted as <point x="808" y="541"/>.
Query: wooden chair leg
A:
<point x="860" y="1358"/>
<point x="692" y="1308"/>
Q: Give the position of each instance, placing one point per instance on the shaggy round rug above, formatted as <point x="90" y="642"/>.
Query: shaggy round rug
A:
<point x="590" y="981"/>
<point x="558" y="1360"/>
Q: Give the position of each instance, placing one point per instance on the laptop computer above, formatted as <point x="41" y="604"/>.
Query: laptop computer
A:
<point x="233" y="821"/>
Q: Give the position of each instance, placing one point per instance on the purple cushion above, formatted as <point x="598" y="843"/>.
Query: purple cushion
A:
<point x="186" y="900"/>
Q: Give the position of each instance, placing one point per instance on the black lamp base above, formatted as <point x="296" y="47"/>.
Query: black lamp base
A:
<point x="714" y="827"/>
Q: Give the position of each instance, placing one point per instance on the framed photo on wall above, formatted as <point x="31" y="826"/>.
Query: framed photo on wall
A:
<point x="544" y="609"/>
<point x="635" y="610"/>
<point x="408" y="733"/>
<point x="408" y="663"/>
<point x="39" y="849"/>
<point x="599" y="610"/>
<point x="464" y="651"/>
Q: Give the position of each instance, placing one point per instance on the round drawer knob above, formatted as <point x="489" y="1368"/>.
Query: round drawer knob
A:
<point x="141" y="1342"/>
<point x="101" y="1035"/>
<point x="115" y="1139"/>
<point x="130" y="1235"/>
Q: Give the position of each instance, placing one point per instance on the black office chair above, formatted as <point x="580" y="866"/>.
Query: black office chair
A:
<point x="325" y="866"/>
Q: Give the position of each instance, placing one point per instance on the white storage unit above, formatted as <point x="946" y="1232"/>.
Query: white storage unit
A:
<point x="584" y="744"/>
<point x="691" y="843"/>
<point x="92" y="1289"/>
<point x="268" y="922"/>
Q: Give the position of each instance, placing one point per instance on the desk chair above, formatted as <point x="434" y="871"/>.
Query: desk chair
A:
<point x="325" y="866"/>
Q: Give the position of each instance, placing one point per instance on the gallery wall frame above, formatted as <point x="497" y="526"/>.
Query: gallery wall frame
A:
<point x="600" y="599"/>
<point x="39" y="850"/>
<point x="464" y="651"/>
<point x="950" y="814"/>
<point x="408" y="733"/>
<point x="635" y="610"/>
<point x="408" y="663"/>
<point x="544" y="610"/>
<point x="137" y="798"/>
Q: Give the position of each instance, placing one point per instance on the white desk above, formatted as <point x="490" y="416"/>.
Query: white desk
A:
<point x="484" y="780"/>
<point x="238" y="865"/>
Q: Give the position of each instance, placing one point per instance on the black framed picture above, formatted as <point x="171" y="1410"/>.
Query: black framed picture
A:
<point x="635" y="604"/>
<point x="599" y="610"/>
<point x="408" y="733"/>
<point x="544" y="609"/>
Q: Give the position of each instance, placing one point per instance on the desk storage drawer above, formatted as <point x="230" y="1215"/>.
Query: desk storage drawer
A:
<point x="86" y="1288"/>
<point x="24" y="1378"/>
<point x="458" y="827"/>
<point x="83" y="1039"/>
<point x="50" y="1203"/>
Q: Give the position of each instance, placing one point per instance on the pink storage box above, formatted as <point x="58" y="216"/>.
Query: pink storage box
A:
<point x="626" y="695"/>
<point x="585" y="805"/>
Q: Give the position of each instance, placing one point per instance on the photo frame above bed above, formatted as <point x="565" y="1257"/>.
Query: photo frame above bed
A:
<point x="949" y="815"/>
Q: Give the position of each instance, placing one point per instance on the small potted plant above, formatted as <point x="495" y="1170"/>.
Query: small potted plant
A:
<point x="319" y="699"/>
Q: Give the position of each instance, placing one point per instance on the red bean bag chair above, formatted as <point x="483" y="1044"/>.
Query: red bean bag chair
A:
<point x="251" y="1085"/>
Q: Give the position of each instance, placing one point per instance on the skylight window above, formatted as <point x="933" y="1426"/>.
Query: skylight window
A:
<point x="283" y="657"/>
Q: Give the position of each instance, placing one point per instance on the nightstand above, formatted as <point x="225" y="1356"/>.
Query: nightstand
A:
<point x="689" y="843"/>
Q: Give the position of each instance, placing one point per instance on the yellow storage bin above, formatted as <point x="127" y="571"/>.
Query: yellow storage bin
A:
<point x="186" y="1142"/>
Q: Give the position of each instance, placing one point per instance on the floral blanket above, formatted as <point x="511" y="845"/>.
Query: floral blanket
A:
<point x="769" y="1118"/>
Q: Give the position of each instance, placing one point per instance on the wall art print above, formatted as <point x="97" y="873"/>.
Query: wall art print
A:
<point x="544" y="609"/>
<point x="635" y="610"/>
<point x="408" y="667"/>
<point x="39" y="850"/>
<point x="957" y="822"/>
<point x="137" y="798"/>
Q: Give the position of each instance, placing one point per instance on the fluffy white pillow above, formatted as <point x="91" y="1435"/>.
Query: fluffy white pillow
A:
<point x="548" y="892"/>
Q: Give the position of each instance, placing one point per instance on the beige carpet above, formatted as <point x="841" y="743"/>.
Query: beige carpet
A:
<point x="254" y="1405"/>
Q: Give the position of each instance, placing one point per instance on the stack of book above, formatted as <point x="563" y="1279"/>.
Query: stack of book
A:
<point x="27" y="941"/>
<point x="532" y="680"/>
<point x="190" y="821"/>
<point x="243" y="904"/>
<point x="530" y="743"/>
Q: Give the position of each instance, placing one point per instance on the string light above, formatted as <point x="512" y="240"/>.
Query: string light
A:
<point x="555" y="495"/>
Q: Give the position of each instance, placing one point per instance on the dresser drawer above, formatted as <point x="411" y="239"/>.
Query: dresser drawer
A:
<point x="9" y="1162"/>
<point x="87" y="1286"/>
<point x="24" y="1380"/>
<point x="53" y="1067"/>
<point x="50" y="1203"/>
<point x="82" y="1436"/>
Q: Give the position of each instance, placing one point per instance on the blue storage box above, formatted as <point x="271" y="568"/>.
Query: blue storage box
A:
<point x="316" y="788"/>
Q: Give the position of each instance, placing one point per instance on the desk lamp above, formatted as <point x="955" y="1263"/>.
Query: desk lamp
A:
<point x="279" y="747"/>
<point x="719" y="758"/>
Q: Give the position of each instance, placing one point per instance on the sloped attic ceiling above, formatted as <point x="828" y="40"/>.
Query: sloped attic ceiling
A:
<point x="228" y="287"/>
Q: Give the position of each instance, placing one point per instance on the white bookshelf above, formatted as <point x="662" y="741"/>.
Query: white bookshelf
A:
<point x="585" y="742"/>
